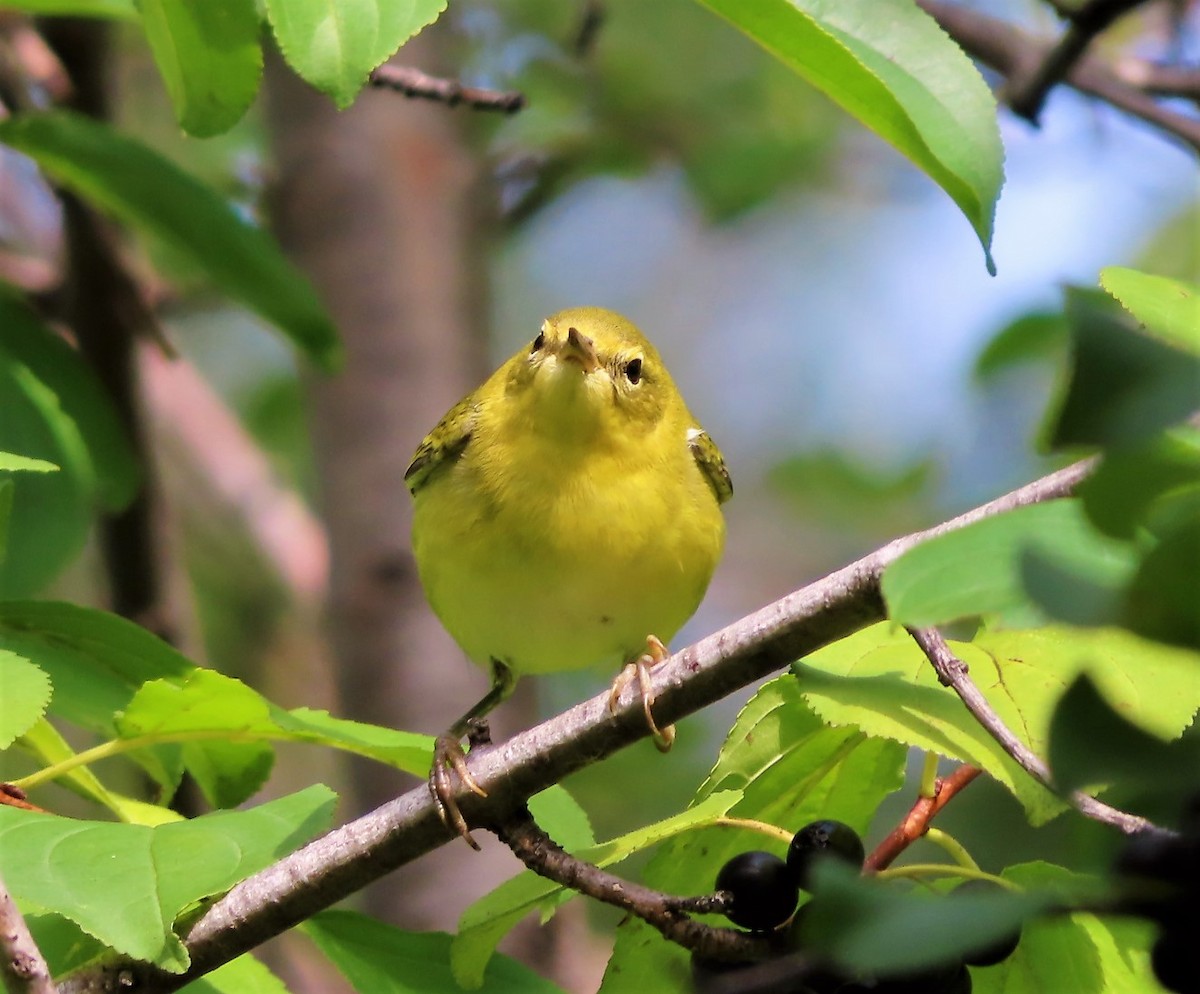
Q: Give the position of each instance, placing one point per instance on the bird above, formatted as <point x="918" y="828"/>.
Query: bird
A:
<point x="566" y="514"/>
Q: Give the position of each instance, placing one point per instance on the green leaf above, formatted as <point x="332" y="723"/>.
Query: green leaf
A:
<point x="122" y="9"/>
<point x="244" y="975"/>
<point x="889" y="65"/>
<point x="490" y="918"/>
<point x="146" y="191"/>
<point x="1161" y="602"/>
<point x="873" y="926"/>
<point x="209" y="57"/>
<point x="979" y="569"/>
<point x="1034" y="336"/>
<point x="1079" y="952"/>
<point x="335" y="45"/>
<point x="81" y="397"/>
<point x="380" y="959"/>
<point x="6" y="502"/>
<point x="789" y="768"/>
<point x="96" y="660"/>
<point x="406" y="751"/>
<point x="1120" y="492"/>
<point x="1168" y="309"/>
<point x="63" y="943"/>
<point x="12" y="463"/>
<point x="562" y="818"/>
<point x="53" y="408"/>
<point x="1124" y="386"/>
<point x="26" y="693"/>
<point x="126" y="884"/>
<point x="879" y="680"/>
<point x="223" y="726"/>
<point x="206" y="704"/>
<point x="1090" y="743"/>
<point x="45" y="742"/>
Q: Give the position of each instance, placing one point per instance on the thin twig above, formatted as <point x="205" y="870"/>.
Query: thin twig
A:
<point x="665" y="912"/>
<point x="103" y="306"/>
<point x="23" y="969"/>
<point x="590" y="23"/>
<point x="414" y="83"/>
<point x="1160" y="80"/>
<point x="1015" y="54"/>
<point x="952" y="672"/>
<point x="1026" y="98"/>
<point x="12" y="796"/>
<point x="355" y="854"/>
<point x="916" y="822"/>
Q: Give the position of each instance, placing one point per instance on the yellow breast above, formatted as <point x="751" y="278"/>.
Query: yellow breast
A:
<point x="572" y="524"/>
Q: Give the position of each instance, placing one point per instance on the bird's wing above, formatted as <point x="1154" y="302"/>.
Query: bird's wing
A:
<point x="442" y="445"/>
<point x="708" y="458"/>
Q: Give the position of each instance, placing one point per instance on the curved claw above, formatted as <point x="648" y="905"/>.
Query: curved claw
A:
<point x="639" y="670"/>
<point x="448" y="756"/>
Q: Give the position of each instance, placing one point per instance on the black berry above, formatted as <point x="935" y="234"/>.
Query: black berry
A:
<point x="952" y="979"/>
<point x="998" y="950"/>
<point x="763" y="889"/>
<point x="818" y="840"/>
<point x="709" y="974"/>
<point x="1176" y="961"/>
<point x="1155" y="872"/>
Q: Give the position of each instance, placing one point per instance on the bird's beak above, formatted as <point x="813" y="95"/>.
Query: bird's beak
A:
<point x="578" y="348"/>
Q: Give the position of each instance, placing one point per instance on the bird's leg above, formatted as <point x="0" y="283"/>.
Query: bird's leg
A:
<point x="639" y="670"/>
<point x="448" y="754"/>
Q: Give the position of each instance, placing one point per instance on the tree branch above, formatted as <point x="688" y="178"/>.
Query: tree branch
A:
<point x="666" y="913"/>
<point x="952" y="672"/>
<point x="1160" y="80"/>
<point x="23" y="969"/>
<point x="916" y="822"/>
<point x="1016" y="55"/>
<point x="348" y="858"/>
<point x="1027" y="98"/>
<point x="414" y="83"/>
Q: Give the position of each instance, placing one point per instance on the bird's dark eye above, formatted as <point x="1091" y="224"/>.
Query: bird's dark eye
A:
<point x="538" y="342"/>
<point x="633" y="370"/>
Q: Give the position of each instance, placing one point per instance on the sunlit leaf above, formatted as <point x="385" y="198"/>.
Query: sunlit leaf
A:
<point x="879" y="680"/>
<point x="126" y="884"/>
<point x="121" y="9"/>
<point x="1168" y="309"/>
<point x="26" y="695"/>
<point x="336" y="45"/>
<point x="980" y="569"/>
<point x="888" y="64"/>
<point x="1124" y="385"/>
<point x="1090" y="743"/>
<point x="209" y="57"/>
<point x="490" y="918"/>
<point x="790" y="768"/>
<point x="10" y="462"/>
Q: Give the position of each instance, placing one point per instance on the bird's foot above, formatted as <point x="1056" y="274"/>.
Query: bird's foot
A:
<point x="450" y="760"/>
<point x="639" y="670"/>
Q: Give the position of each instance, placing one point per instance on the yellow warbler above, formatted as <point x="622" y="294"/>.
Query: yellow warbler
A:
<point x="566" y="512"/>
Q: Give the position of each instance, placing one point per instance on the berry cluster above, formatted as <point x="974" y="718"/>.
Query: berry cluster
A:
<point x="764" y="891"/>
<point x="1160" y="875"/>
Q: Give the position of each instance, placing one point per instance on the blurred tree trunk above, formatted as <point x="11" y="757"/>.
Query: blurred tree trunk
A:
<point x="387" y="211"/>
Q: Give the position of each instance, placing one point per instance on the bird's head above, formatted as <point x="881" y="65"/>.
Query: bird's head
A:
<point x="591" y="370"/>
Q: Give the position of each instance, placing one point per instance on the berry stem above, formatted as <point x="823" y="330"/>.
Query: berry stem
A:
<point x="917" y="871"/>
<point x="750" y="824"/>
<point x="952" y="847"/>
<point x="929" y="774"/>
